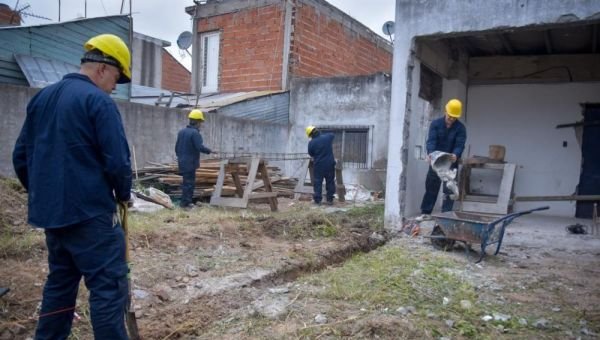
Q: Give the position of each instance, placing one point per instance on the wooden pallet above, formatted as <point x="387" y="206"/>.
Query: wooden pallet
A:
<point x="244" y="193"/>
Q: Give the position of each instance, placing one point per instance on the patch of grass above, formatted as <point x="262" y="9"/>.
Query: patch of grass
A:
<point x="20" y="244"/>
<point x="390" y="277"/>
<point x="13" y="184"/>
<point x="373" y="210"/>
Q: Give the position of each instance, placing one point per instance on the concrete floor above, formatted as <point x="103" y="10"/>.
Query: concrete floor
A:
<point x="535" y="231"/>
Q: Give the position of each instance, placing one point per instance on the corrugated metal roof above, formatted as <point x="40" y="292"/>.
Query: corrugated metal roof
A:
<point x="272" y="108"/>
<point x="149" y="95"/>
<point x="41" y="72"/>
<point x="156" y="41"/>
<point x="269" y="106"/>
<point x="58" y="42"/>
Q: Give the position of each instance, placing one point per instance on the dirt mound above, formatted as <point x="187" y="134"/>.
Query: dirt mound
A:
<point x="13" y="205"/>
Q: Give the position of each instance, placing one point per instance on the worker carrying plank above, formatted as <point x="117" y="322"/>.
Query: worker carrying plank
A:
<point x="320" y="149"/>
<point x="188" y="147"/>
<point x="446" y="134"/>
<point x="73" y="159"/>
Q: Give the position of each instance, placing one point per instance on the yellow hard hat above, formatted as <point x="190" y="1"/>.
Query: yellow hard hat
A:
<point x="454" y="108"/>
<point x="114" y="47"/>
<point x="196" y="114"/>
<point x="309" y="130"/>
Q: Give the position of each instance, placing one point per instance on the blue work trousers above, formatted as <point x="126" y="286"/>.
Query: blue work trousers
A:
<point x="329" y="175"/>
<point x="94" y="249"/>
<point x="187" y="188"/>
<point x="432" y="187"/>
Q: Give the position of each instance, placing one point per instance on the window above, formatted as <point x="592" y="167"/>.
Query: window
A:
<point x="350" y="145"/>
<point x="210" y="61"/>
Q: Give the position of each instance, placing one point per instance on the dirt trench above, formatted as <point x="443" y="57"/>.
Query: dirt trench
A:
<point x="191" y="269"/>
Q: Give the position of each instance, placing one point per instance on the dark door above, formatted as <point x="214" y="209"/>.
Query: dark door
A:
<point x="589" y="181"/>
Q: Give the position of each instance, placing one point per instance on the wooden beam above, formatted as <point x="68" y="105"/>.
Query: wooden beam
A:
<point x="548" y="41"/>
<point x="557" y="198"/>
<point x="534" y="69"/>
<point x="594" y="38"/>
<point x="506" y="43"/>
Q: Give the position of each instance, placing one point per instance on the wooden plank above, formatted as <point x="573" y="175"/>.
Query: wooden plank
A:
<point x="259" y="195"/>
<point x="504" y="194"/>
<point x="301" y="187"/>
<point x="219" y="186"/>
<point x="238" y="184"/>
<point x="557" y="198"/>
<point x="233" y="202"/>
<point x="268" y="187"/>
<point x="340" y="188"/>
<point x="534" y="69"/>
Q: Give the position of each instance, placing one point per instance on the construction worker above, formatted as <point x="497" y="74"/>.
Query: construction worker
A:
<point x="188" y="147"/>
<point x="73" y="159"/>
<point x="320" y="149"/>
<point x="446" y="134"/>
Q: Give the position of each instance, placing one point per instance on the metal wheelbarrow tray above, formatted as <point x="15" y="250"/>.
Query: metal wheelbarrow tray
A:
<point x="471" y="228"/>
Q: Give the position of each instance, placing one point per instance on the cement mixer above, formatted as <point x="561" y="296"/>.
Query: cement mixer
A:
<point x="441" y="163"/>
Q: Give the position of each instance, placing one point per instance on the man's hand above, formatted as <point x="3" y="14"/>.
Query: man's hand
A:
<point x="453" y="157"/>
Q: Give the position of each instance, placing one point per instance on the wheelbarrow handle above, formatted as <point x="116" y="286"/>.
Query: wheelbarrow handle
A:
<point x="519" y="213"/>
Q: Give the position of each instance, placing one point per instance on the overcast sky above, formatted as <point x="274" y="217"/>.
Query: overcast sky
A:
<point x="166" y="19"/>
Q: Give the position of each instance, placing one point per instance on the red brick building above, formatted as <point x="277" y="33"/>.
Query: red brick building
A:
<point x="245" y="45"/>
<point x="8" y="17"/>
<point x="175" y="77"/>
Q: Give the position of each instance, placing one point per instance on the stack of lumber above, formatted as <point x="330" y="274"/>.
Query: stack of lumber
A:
<point x="167" y="178"/>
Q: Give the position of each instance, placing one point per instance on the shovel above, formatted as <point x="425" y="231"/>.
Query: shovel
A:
<point x="130" y="320"/>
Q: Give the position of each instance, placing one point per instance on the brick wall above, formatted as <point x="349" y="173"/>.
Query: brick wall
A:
<point x="251" y="48"/>
<point x="324" y="47"/>
<point x="325" y="42"/>
<point x="175" y="77"/>
<point x="8" y="17"/>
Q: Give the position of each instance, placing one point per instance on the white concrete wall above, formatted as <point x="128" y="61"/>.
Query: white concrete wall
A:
<point x="523" y="118"/>
<point x="343" y="101"/>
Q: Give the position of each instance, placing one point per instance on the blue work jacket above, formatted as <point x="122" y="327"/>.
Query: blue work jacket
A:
<point x="320" y="148"/>
<point x="450" y="140"/>
<point x="188" y="147"/>
<point x="72" y="155"/>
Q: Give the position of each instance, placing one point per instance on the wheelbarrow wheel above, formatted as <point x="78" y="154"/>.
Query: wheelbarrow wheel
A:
<point x="441" y="243"/>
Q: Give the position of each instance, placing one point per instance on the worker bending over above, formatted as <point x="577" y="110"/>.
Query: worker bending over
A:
<point x="446" y="134"/>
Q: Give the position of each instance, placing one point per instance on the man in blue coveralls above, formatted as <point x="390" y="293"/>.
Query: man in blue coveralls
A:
<point x="320" y="149"/>
<point x="446" y="134"/>
<point x="188" y="147"/>
<point x="72" y="156"/>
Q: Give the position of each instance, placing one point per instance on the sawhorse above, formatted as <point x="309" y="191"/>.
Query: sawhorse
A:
<point x="245" y="194"/>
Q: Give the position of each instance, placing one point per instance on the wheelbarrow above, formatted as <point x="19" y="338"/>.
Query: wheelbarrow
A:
<point x="472" y="228"/>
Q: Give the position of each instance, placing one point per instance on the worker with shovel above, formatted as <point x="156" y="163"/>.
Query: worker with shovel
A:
<point x="320" y="149"/>
<point x="73" y="159"/>
<point x="188" y="147"/>
<point x="446" y="134"/>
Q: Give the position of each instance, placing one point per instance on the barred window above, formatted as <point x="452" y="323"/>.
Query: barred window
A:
<point x="350" y="145"/>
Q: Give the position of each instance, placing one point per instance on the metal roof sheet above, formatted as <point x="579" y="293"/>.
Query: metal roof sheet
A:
<point x="56" y="43"/>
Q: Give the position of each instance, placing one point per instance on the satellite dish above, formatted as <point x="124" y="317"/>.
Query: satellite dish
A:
<point x="184" y="41"/>
<point x="388" y="28"/>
